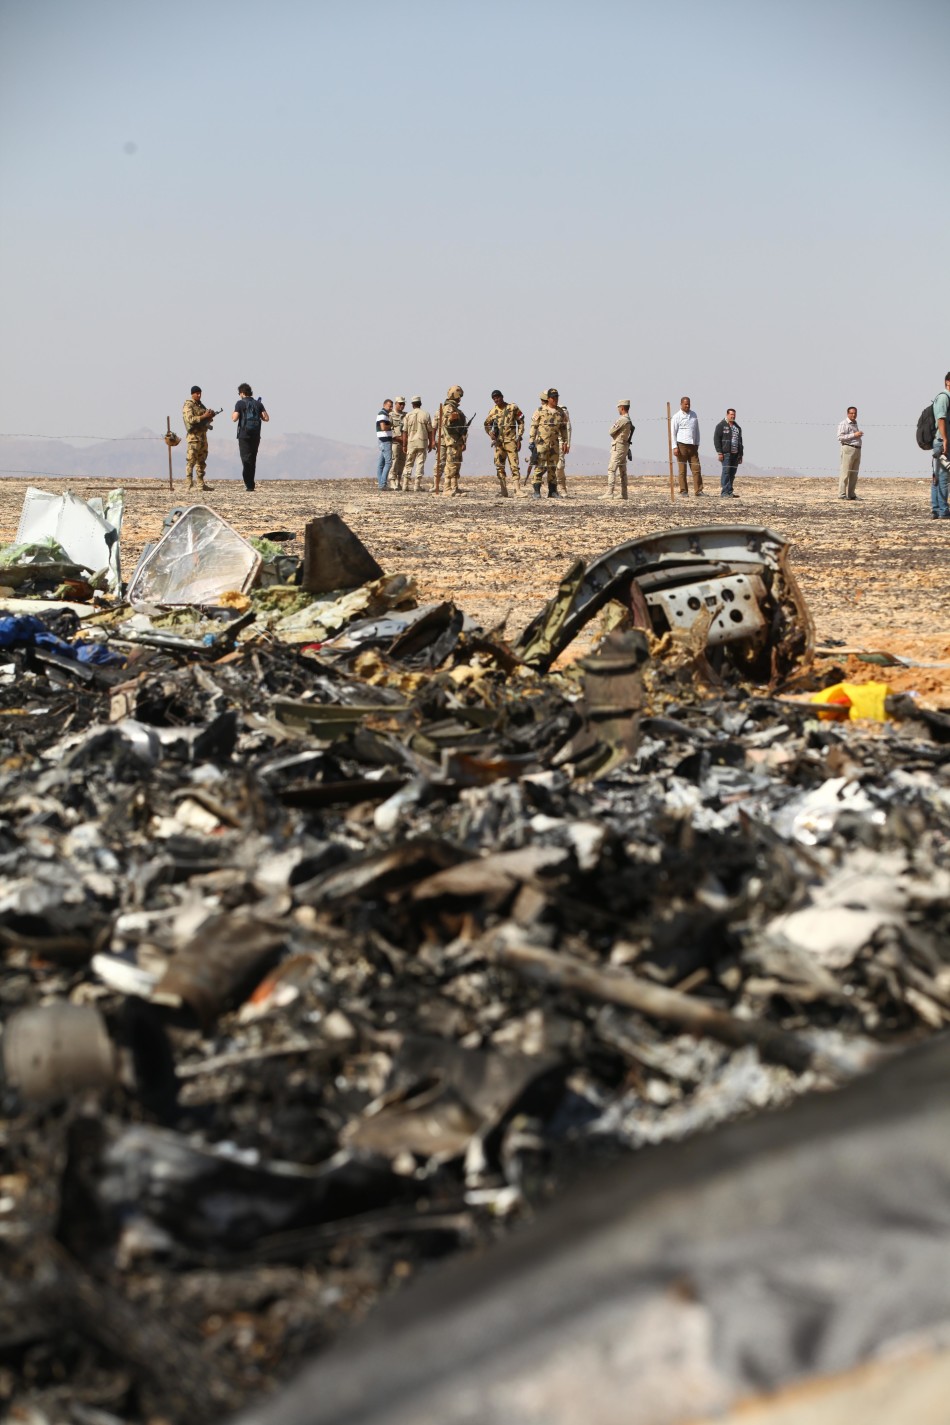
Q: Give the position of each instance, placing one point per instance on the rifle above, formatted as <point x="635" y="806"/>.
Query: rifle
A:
<point x="467" y="427"/>
<point x="438" y="453"/>
<point x="532" y="460"/>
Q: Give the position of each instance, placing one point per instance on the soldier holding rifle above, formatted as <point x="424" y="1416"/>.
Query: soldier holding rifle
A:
<point x="504" y="426"/>
<point x="453" y="431"/>
<point x="549" y="438"/>
<point x="197" y="418"/>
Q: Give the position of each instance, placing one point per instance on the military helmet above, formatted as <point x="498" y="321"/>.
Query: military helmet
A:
<point x="454" y="393"/>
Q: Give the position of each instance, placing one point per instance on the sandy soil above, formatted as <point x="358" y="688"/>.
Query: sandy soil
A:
<point x="874" y="572"/>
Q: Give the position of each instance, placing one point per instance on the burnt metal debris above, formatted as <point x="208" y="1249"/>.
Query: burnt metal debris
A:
<point x="339" y="933"/>
<point x="730" y="583"/>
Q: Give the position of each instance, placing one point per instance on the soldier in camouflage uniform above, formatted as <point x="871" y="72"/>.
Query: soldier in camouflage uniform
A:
<point x="504" y="426"/>
<point x="197" y="418"/>
<point x="621" y="433"/>
<point x="549" y="434"/>
<point x="565" y="447"/>
<point x="454" y="438"/>
<point x="397" y="418"/>
<point x="529" y="473"/>
<point x="417" y="429"/>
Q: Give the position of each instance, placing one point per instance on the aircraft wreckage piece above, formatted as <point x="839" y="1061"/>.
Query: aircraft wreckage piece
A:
<point x="199" y="558"/>
<point x="730" y="582"/>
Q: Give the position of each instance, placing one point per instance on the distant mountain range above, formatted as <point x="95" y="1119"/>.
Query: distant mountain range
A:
<point x="142" y="455"/>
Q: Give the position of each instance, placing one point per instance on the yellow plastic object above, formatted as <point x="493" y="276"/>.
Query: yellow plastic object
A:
<point x="854" y="700"/>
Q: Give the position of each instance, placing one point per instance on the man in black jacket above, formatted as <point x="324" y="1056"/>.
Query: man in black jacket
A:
<point x="727" y="441"/>
<point x="248" y="412"/>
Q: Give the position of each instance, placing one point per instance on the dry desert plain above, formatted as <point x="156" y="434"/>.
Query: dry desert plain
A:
<point x="875" y="572"/>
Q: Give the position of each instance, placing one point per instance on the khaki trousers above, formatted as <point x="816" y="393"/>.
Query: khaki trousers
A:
<point x="848" y="472"/>
<point x="689" y="455"/>
<point x="546" y="466"/>
<point x="503" y="453"/>
<point x="561" y="477"/>
<point x="415" y="462"/>
<point x="451" y="467"/>
<point x="196" y="454"/>
<point x="617" y="466"/>
<point x="397" y="467"/>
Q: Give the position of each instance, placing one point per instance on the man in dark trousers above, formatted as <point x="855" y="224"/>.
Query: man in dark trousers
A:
<point x="248" y="412"/>
<point x="727" y="443"/>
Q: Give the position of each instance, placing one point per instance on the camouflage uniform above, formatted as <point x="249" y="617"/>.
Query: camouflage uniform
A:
<point x="417" y="427"/>
<point x="561" y="477"/>
<point x="549" y="433"/>
<point x="197" y="418"/>
<point x="537" y="415"/>
<point x="621" y="433"/>
<point x="397" y="420"/>
<point x="454" y="437"/>
<point x="508" y="421"/>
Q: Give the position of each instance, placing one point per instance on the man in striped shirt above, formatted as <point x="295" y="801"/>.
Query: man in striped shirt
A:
<point x="384" y="439"/>
<point x="849" y="438"/>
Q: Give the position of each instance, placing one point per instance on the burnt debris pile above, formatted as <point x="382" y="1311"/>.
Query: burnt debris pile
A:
<point x="337" y="932"/>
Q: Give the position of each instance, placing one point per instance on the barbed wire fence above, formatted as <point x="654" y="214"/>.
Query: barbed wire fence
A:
<point x="577" y="467"/>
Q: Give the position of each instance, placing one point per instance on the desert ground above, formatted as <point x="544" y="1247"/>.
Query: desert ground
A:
<point x="874" y="572"/>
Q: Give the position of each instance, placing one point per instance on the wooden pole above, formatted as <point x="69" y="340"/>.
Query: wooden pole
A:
<point x="669" y="441"/>
<point x="438" y="452"/>
<point x="168" y="427"/>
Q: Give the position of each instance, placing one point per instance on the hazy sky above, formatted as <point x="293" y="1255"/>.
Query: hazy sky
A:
<point x="744" y="201"/>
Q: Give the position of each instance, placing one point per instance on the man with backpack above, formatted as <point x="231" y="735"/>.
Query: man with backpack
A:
<point x="940" y="446"/>
<point x="248" y="412"/>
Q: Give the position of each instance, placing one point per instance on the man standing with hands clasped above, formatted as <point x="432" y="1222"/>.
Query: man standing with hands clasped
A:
<point x="849" y="438"/>
<point x="727" y="443"/>
<point x="684" y="428"/>
<point x="248" y="412"/>
<point x="621" y="433"/>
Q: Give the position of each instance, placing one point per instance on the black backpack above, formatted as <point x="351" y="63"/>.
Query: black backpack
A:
<point x="250" y="423"/>
<point x="927" y="428"/>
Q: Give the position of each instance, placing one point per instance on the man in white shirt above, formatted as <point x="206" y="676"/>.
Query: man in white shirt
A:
<point x="849" y="438"/>
<point x="684" y="428"/>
